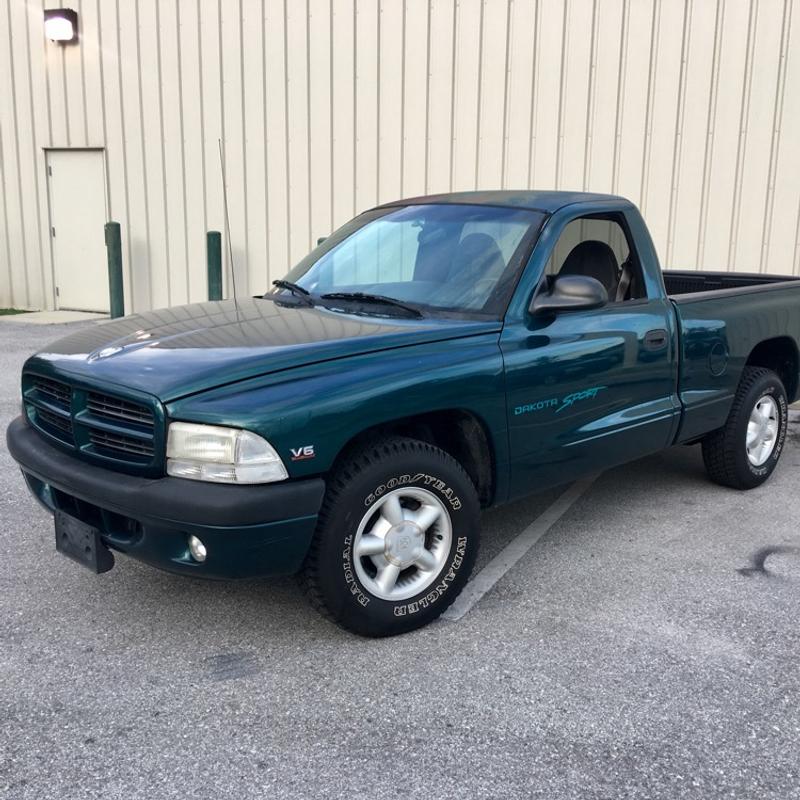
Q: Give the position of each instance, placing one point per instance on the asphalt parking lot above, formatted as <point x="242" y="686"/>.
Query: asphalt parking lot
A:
<point x="647" y="646"/>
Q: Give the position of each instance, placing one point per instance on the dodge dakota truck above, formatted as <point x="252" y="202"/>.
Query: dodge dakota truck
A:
<point x="433" y="357"/>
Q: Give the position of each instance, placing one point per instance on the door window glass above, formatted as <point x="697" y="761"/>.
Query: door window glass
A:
<point x="599" y="248"/>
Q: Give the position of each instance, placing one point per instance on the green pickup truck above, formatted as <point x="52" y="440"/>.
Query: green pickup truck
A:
<point x="432" y="357"/>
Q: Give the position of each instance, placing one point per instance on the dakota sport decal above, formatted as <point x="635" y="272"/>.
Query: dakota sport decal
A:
<point x="559" y="404"/>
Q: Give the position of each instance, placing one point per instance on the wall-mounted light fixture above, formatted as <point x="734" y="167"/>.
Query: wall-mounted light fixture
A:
<point x="61" y="25"/>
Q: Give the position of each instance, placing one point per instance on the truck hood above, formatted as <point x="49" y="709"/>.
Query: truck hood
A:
<point x="178" y="351"/>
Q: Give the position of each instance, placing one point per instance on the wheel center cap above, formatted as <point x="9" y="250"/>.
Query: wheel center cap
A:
<point x="404" y="544"/>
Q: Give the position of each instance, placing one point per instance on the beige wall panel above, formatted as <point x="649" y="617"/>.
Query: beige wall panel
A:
<point x="440" y="99"/>
<point x="75" y="105"/>
<point x="661" y="124"/>
<point x="320" y="109"/>
<point x="138" y="231"/>
<point x="277" y="136"/>
<point x="116" y="144"/>
<point x="298" y="127"/>
<point x="735" y="57"/>
<point x="327" y="107"/>
<point x="602" y="105"/>
<point x="54" y="58"/>
<point x="211" y="76"/>
<point x="12" y="156"/>
<point x="545" y="135"/>
<point x="521" y="48"/>
<point x="192" y="105"/>
<point x="255" y="138"/>
<point x="367" y="96"/>
<point x="170" y="90"/>
<point x="28" y="160"/>
<point x="757" y="152"/>
<point x="390" y="104"/>
<point x="234" y="114"/>
<point x="782" y="251"/>
<point x="574" y="94"/>
<point x="37" y="100"/>
<point x="493" y="96"/>
<point x="90" y="72"/>
<point x="415" y="101"/>
<point x="343" y="64"/>
<point x="152" y="122"/>
<point x="469" y="22"/>
<point x="689" y="145"/>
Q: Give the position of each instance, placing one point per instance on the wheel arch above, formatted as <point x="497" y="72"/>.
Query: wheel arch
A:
<point x="779" y="354"/>
<point x="459" y="432"/>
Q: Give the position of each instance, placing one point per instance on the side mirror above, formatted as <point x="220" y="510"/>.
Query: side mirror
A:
<point x="570" y="293"/>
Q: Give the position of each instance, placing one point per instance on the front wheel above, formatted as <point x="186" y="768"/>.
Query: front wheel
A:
<point x="744" y="452"/>
<point x="396" y="540"/>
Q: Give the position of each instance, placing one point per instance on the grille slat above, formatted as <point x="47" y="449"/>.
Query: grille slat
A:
<point x="58" y="425"/>
<point x="59" y="394"/>
<point x="116" y="409"/>
<point x="121" y="444"/>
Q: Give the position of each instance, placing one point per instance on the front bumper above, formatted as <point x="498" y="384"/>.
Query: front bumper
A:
<point x="248" y="530"/>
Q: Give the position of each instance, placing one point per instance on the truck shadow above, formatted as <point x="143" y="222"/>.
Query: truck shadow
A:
<point x="758" y="564"/>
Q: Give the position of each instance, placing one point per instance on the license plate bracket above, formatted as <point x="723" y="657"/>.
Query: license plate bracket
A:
<point x="82" y="543"/>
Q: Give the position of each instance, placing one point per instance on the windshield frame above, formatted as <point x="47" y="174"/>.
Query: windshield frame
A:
<point x="494" y="308"/>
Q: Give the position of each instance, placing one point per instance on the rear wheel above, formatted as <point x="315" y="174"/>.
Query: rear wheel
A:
<point x="396" y="540"/>
<point x="744" y="452"/>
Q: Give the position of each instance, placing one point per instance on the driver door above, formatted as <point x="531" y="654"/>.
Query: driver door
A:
<point x="588" y="389"/>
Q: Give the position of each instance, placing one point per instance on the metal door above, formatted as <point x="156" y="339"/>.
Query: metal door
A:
<point x="76" y="183"/>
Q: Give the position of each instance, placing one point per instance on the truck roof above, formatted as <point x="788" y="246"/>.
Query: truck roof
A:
<point x="545" y="201"/>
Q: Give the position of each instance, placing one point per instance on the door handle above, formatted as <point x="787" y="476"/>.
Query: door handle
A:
<point x="656" y="339"/>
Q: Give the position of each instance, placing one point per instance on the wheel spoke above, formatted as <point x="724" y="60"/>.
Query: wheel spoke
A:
<point x="427" y="561"/>
<point x="771" y="432"/>
<point x="392" y="510"/>
<point x="426" y="515"/>
<point x="369" y="545"/>
<point x="387" y="578"/>
<point x="752" y="433"/>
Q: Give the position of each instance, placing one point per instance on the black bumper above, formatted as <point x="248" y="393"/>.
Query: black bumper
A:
<point x="249" y="530"/>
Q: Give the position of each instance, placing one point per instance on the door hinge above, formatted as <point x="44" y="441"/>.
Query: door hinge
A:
<point x="53" y="232"/>
<point x="57" y="292"/>
<point x="50" y="171"/>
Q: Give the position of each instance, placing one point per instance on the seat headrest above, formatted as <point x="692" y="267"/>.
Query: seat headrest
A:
<point x="595" y="259"/>
<point x="478" y="253"/>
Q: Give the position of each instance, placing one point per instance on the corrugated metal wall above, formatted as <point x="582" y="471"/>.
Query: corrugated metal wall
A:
<point x="326" y="107"/>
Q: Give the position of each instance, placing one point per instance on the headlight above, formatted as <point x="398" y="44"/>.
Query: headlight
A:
<point x="221" y="455"/>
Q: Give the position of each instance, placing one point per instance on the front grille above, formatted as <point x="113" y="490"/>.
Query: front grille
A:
<point x="99" y="426"/>
<point x="116" y="444"/>
<point x="54" y="392"/>
<point x="116" y="409"/>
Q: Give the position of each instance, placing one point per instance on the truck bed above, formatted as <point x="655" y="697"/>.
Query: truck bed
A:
<point x="682" y="282"/>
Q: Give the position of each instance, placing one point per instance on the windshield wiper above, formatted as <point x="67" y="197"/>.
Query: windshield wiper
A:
<point x="377" y="299"/>
<point x="296" y="290"/>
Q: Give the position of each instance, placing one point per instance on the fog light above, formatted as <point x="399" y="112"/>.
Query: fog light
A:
<point x="197" y="549"/>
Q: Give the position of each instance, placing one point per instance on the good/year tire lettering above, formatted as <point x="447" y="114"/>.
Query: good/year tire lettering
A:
<point x="429" y="481"/>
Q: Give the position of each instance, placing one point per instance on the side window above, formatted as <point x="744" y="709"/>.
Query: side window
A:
<point x="599" y="248"/>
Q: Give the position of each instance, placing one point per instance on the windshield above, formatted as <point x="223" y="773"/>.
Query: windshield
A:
<point x="452" y="258"/>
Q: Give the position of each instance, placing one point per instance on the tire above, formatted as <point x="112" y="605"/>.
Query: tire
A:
<point x="357" y="571"/>
<point x="732" y="455"/>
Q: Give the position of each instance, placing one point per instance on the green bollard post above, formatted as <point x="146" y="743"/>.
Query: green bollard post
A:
<point x="114" y="252"/>
<point x="214" y="264"/>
